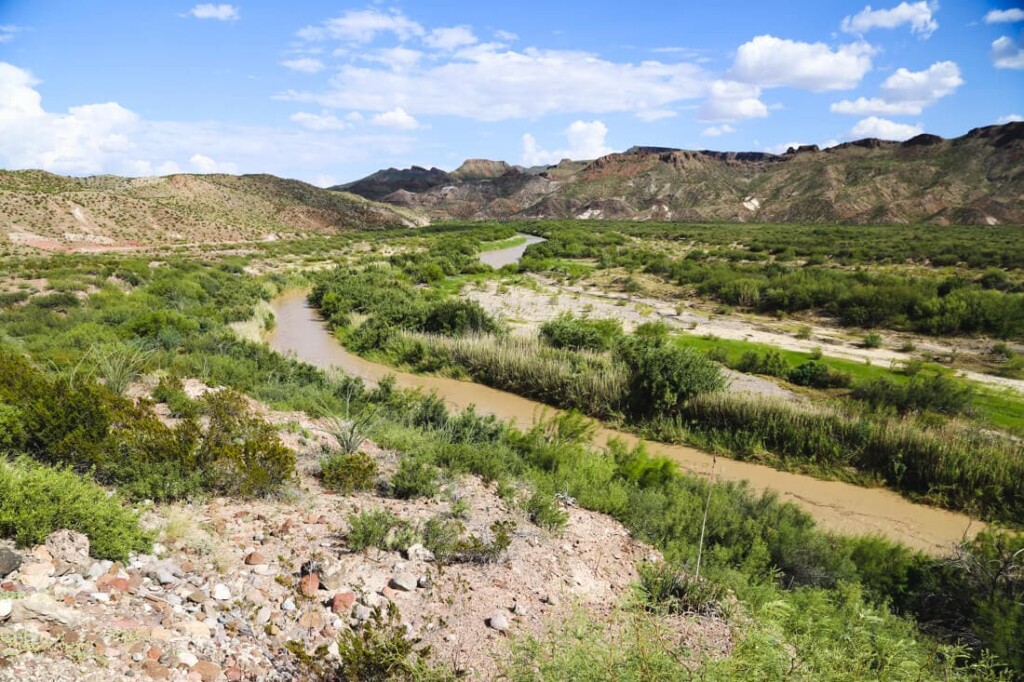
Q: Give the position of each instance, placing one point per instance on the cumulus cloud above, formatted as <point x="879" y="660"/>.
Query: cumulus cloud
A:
<point x="883" y="129"/>
<point x="324" y="121"/>
<point x="907" y="93"/>
<point x="362" y="26"/>
<point x="204" y="164"/>
<point x="304" y="64"/>
<point x="918" y="15"/>
<point x="108" y="138"/>
<point x="1006" y="54"/>
<point x="489" y="82"/>
<point x="450" y="38"/>
<point x="768" y="61"/>
<point x="782" y="147"/>
<point x="732" y="101"/>
<point x="586" y="140"/>
<point x="396" y="118"/>
<point x="1010" y="118"/>
<point x="717" y="131"/>
<point x="218" y="12"/>
<point x="1004" y="16"/>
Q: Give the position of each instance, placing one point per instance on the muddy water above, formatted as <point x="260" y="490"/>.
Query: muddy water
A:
<point x="512" y="254"/>
<point x="837" y="506"/>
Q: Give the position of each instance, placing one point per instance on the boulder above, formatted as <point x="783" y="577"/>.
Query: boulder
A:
<point x="43" y="609"/>
<point x="9" y="562"/>
<point x="69" y="549"/>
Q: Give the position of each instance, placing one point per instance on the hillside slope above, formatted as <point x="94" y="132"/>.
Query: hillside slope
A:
<point x="974" y="179"/>
<point x="55" y="212"/>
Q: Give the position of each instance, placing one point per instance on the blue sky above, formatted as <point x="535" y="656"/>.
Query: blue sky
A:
<point x="329" y="91"/>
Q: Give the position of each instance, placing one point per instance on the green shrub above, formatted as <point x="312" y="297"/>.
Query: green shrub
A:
<point x="443" y="537"/>
<point x="568" y="331"/>
<point x="120" y="366"/>
<point x="872" y="340"/>
<point x="414" y="478"/>
<point x="666" y="589"/>
<point x="542" y="509"/>
<point x="346" y="473"/>
<point x="818" y="375"/>
<point x="664" y="377"/>
<point x="171" y="391"/>
<point x="36" y="500"/>
<point x="770" y="363"/>
<point x="371" y="529"/>
<point x="381" y="650"/>
<point x="455" y="317"/>
<point x="934" y="393"/>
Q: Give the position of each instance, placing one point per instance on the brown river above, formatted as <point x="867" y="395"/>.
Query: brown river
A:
<point x="835" y="505"/>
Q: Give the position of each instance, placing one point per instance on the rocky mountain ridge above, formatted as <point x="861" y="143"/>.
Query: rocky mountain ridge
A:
<point x="974" y="179"/>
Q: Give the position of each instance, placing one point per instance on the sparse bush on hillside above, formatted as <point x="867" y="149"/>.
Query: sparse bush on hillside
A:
<point x="347" y="473"/>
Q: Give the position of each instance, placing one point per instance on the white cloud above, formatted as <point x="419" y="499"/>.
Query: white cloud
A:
<point x="1004" y="16"/>
<point x="395" y="58"/>
<point x="883" y="129"/>
<point x="204" y="164"/>
<point x="450" y="38"/>
<point x="907" y="93"/>
<point x="107" y="138"/>
<point x="732" y="101"/>
<point x="586" y="140"/>
<point x="491" y="83"/>
<point x="507" y="36"/>
<point x="324" y="180"/>
<point x="655" y="114"/>
<point x="918" y="14"/>
<point x="324" y="121"/>
<point x="362" y="26"/>
<point x="304" y="64"/>
<point x="7" y="32"/>
<point x="218" y="12"/>
<point x="396" y="118"/>
<point x="1010" y="118"/>
<point x="783" y="147"/>
<point x="1006" y="54"/>
<point x="768" y="61"/>
<point x="717" y="131"/>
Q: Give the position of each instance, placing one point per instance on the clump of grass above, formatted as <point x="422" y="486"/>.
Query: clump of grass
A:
<point x="346" y="473"/>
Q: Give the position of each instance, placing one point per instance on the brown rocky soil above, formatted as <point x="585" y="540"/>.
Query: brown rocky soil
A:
<point x="224" y="589"/>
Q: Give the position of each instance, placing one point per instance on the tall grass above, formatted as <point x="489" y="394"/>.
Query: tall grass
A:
<point x="592" y="382"/>
<point x="953" y="465"/>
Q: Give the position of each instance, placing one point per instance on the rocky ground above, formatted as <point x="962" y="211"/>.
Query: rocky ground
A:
<point x="230" y="582"/>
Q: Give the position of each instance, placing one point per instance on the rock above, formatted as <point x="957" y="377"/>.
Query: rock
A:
<point x="309" y="584"/>
<point x="362" y="613"/>
<point x="498" y="622"/>
<point x="69" y="548"/>
<point x="263" y="615"/>
<point x="155" y="671"/>
<point x="312" y="619"/>
<point x="255" y="559"/>
<point x="551" y="599"/>
<point x="40" y="568"/>
<point x="342" y="602"/>
<point x="418" y="552"/>
<point x="233" y="674"/>
<point x="221" y="592"/>
<point x="43" y="609"/>
<point x="404" y="581"/>
<point x="207" y="670"/>
<point x="9" y="562"/>
<point x="520" y="610"/>
<point x="188" y="659"/>
<point x="196" y="597"/>
<point x="6" y="606"/>
<point x="196" y="628"/>
<point x="425" y="582"/>
<point x="288" y="605"/>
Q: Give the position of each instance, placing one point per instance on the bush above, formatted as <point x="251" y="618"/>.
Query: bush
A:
<point x="567" y="331"/>
<point x="770" y="363"/>
<point x="664" y="376"/>
<point x="542" y="509"/>
<point x="455" y="317"/>
<point x="818" y="375"/>
<point x="381" y="650"/>
<point x="935" y="393"/>
<point x="346" y="473"/>
<point x="666" y="589"/>
<point x="443" y="537"/>
<point x="371" y="529"/>
<point x="414" y="478"/>
<point x="36" y="500"/>
<point x="872" y="340"/>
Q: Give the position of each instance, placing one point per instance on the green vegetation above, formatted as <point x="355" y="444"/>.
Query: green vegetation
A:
<point x="347" y="473"/>
<point x="36" y="500"/>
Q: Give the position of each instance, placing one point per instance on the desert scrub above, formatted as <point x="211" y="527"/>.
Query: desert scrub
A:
<point x="568" y="331"/>
<point x="346" y="473"/>
<point x="664" y="588"/>
<point x="414" y="478"/>
<point x="379" y="528"/>
<point x="36" y="500"/>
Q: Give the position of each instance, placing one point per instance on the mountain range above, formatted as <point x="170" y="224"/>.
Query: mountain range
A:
<point x="974" y="179"/>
